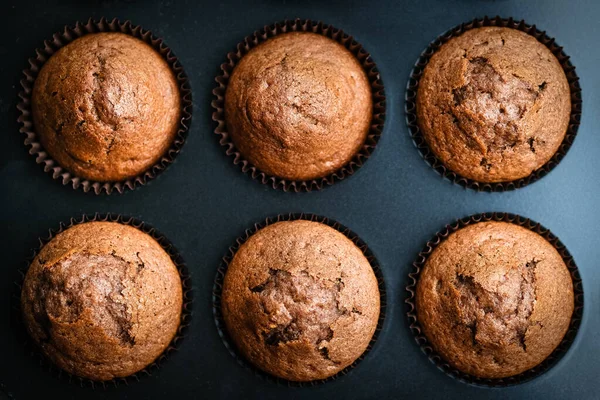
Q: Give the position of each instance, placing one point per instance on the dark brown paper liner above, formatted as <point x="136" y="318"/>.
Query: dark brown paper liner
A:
<point x="377" y="90"/>
<point x="411" y="108"/>
<point x="186" y="310"/>
<point x="532" y="373"/>
<point x="220" y="276"/>
<point x="61" y="39"/>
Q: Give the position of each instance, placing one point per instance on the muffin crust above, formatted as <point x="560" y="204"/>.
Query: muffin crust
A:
<point x="494" y="299"/>
<point x="493" y="104"/>
<point x="106" y="107"/>
<point x="102" y="300"/>
<point x="298" y="106"/>
<point x="300" y="300"/>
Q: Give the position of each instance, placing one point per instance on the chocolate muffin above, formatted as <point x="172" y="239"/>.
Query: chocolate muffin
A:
<point x="102" y="300"/>
<point x="106" y="107"/>
<point x="298" y="106"/>
<point x="494" y="299"/>
<point x="300" y="300"/>
<point x="493" y="104"/>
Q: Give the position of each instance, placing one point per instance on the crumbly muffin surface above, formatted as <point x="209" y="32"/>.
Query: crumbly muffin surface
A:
<point x="106" y="107"/>
<point x="102" y="300"/>
<point x="300" y="300"/>
<point x="298" y="106"/>
<point x="494" y="299"/>
<point x="493" y="104"/>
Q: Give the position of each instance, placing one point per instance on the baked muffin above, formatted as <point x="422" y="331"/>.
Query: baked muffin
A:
<point x="106" y="107"/>
<point x="300" y="300"/>
<point x="102" y="300"/>
<point x="493" y="104"/>
<point x="494" y="299"/>
<point x="298" y="106"/>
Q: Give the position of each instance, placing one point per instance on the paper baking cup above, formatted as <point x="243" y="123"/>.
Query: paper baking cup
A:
<point x="220" y="276"/>
<point x="532" y="373"/>
<point x="298" y="25"/>
<point x="61" y="39"/>
<point x="411" y="108"/>
<point x="186" y="311"/>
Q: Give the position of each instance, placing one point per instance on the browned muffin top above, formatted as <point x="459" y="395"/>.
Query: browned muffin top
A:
<point x="300" y="300"/>
<point x="106" y="107"/>
<point x="298" y="106"/>
<point x="494" y="299"/>
<point x="102" y="300"/>
<point x="493" y="104"/>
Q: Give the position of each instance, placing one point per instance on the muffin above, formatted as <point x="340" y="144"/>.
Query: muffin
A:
<point x="300" y="301"/>
<point x="102" y="300"/>
<point x="298" y="106"/>
<point x="494" y="299"/>
<point x="493" y="104"/>
<point x="106" y="107"/>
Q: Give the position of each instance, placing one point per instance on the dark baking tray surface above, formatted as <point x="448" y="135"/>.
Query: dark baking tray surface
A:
<point x="395" y="202"/>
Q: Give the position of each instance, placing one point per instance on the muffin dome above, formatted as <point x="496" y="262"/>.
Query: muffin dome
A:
<point x="300" y="300"/>
<point x="298" y="106"/>
<point x="102" y="300"/>
<point x="494" y="299"/>
<point x="106" y="107"/>
<point x="493" y="104"/>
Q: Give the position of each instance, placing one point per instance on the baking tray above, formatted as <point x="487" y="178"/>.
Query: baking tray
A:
<point x="395" y="202"/>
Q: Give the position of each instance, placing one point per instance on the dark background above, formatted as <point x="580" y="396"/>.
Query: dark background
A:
<point x="395" y="202"/>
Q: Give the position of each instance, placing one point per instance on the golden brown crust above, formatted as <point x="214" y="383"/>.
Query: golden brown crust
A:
<point x="493" y="104"/>
<point x="102" y="300"/>
<point x="298" y="106"/>
<point x="106" y="107"/>
<point x="494" y="299"/>
<point x="300" y="300"/>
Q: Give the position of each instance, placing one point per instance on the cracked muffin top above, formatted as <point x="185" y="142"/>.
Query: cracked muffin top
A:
<point x="102" y="300"/>
<point x="300" y="300"/>
<point x="106" y="107"/>
<point x="494" y="299"/>
<point x="298" y="106"/>
<point x="493" y="104"/>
